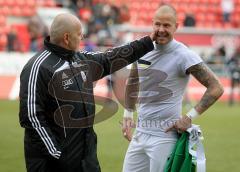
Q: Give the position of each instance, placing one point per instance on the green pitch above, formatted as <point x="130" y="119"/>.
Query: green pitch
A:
<point x="220" y="126"/>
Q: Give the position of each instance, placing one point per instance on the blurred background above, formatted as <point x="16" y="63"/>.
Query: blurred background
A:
<point x="209" y="27"/>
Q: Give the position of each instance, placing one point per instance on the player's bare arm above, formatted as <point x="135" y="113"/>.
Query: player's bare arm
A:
<point x="207" y="78"/>
<point x="132" y="88"/>
<point x="214" y="90"/>
<point x="131" y="97"/>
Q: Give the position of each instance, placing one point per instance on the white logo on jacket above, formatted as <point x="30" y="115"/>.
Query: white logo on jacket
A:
<point x="66" y="83"/>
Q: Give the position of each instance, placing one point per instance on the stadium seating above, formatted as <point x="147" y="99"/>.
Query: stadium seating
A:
<point x="208" y="13"/>
<point x="19" y="8"/>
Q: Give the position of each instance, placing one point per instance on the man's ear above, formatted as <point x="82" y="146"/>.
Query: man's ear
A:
<point x="177" y="24"/>
<point x="66" y="38"/>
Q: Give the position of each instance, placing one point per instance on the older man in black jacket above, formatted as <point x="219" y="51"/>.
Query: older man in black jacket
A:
<point x="56" y="98"/>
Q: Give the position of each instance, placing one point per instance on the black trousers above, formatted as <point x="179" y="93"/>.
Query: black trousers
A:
<point x="38" y="160"/>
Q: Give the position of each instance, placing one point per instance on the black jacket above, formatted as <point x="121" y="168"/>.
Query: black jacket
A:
<point x="56" y="95"/>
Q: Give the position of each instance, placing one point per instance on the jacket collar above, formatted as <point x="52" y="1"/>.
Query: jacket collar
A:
<point x="59" y="51"/>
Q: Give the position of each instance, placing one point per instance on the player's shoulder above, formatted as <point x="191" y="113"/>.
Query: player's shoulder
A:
<point x="184" y="51"/>
<point x="35" y="59"/>
<point x="35" y="63"/>
<point x="44" y="60"/>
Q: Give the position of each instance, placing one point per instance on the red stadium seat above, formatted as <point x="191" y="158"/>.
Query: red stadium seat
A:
<point x="49" y="3"/>
<point x="182" y="8"/>
<point x="46" y="3"/>
<point x="154" y="5"/>
<point x="193" y="7"/>
<point x="16" y="11"/>
<point x="199" y="24"/>
<point x="211" y="17"/>
<point x="235" y="19"/>
<point x="2" y="20"/>
<point x="181" y="17"/>
<point x="214" y="2"/>
<point x="218" y="24"/>
<point x="5" y="10"/>
<point x="27" y="11"/>
<point x="2" y="2"/>
<point x="203" y="8"/>
<point x="140" y="23"/>
<point x="3" y="41"/>
<point x="5" y="29"/>
<point x="31" y="3"/>
<point x="9" y="2"/>
<point x="227" y="25"/>
<point x="200" y="17"/>
<point x="237" y="9"/>
<point x="20" y="3"/>
<point x="135" y="6"/>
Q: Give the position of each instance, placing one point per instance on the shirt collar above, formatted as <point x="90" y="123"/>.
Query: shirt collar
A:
<point x="167" y="47"/>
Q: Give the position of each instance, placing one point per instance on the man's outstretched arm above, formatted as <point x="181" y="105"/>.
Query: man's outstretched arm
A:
<point x="114" y="59"/>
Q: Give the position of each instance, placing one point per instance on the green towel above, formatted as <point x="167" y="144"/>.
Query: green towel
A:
<point x="181" y="159"/>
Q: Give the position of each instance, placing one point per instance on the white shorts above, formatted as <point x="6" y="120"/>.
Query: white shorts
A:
<point x="148" y="153"/>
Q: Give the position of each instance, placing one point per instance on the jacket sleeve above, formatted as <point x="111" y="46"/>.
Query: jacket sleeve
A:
<point x="116" y="58"/>
<point x="33" y="113"/>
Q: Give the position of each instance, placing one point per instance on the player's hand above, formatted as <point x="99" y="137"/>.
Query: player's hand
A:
<point x="127" y="125"/>
<point x="153" y="35"/>
<point x="181" y="125"/>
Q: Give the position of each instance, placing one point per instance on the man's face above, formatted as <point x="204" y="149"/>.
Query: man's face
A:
<point x="165" y="25"/>
<point x="75" y="37"/>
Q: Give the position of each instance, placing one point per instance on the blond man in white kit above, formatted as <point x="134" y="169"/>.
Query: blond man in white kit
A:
<point x="163" y="76"/>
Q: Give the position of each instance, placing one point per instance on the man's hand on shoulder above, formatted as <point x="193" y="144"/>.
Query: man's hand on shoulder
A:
<point x="153" y="35"/>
